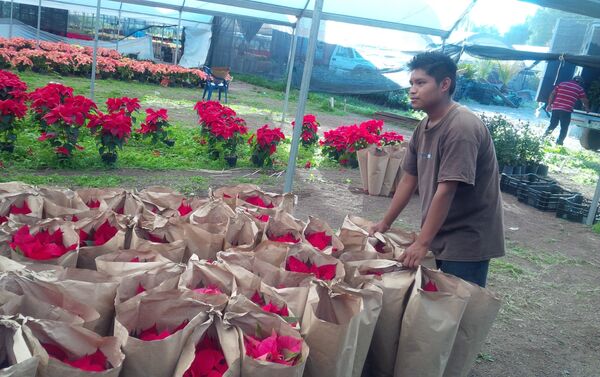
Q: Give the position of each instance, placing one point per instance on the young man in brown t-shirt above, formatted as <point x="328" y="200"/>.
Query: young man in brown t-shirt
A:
<point x="451" y="159"/>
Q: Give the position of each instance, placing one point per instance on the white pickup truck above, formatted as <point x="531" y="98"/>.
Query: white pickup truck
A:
<point x="347" y="59"/>
<point x="590" y="122"/>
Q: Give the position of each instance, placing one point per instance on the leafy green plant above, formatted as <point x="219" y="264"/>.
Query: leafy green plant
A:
<point x="484" y="68"/>
<point x="507" y="71"/>
<point x="467" y="70"/>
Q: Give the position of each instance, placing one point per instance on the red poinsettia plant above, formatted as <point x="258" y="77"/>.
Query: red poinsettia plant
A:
<point x="112" y="131"/>
<point x="61" y="115"/>
<point x="270" y="307"/>
<point x="342" y="143"/>
<point x="156" y="127"/>
<point x="40" y="246"/>
<point x="209" y="360"/>
<point x="16" y="210"/>
<point x="264" y="145"/>
<point x="99" y="236"/>
<point x="220" y="128"/>
<point x="324" y="272"/>
<point x="96" y="362"/>
<point x="152" y="333"/>
<point x="12" y="107"/>
<point x="126" y="104"/>
<point x="310" y="128"/>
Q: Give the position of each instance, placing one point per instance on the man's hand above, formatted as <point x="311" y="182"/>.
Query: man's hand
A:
<point x="549" y="108"/>
<point x="413" y="255"/>
<point x="380" y="227"/>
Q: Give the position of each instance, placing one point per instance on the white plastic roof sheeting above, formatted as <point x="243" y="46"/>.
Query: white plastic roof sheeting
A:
<point x="433" y="17"/>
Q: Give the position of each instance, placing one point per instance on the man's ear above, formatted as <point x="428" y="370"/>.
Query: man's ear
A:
<point x="445" y="84"/>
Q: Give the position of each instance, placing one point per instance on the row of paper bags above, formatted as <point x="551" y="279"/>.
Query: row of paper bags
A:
<point x="381" y="168"/>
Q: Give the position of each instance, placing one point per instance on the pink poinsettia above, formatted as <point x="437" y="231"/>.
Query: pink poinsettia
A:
<point x="269" y="307"/>
<point x="280" y="349"/>
<point x="430" y="287"/>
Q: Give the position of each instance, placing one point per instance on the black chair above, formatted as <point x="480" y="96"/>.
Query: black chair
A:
<point x="214" y="82"/>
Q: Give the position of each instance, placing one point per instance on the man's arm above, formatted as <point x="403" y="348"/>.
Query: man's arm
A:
<point x="586" y="104"/>
<point x="551" y="99"/>
<point x="404" y="191"/>
<point x="438" y="211"/>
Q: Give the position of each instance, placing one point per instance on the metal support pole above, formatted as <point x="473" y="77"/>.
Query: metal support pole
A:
<point x="303" y="96"/>
<point x="178" y="35"/>
<point x="594" y="206"/>
<point x="291" y="62"/>
<point x="119" y="25"/>
<point x="11" y="19"/>
<point x="95" y="55"/>
<point x="39" y="21"/>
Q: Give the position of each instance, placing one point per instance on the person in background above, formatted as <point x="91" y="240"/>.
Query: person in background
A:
<point x="561" y="102"/>
<point x="452" y="160"/>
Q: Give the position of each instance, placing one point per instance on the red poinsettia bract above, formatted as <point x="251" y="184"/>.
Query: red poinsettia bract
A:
<point x="40" y="246"/>
<point x="152" y="333"/>
<point x="319" y="240"/>
<point x="324" y="272"/>
<point x="95" y="362"/>
<point x="209" y="360"/>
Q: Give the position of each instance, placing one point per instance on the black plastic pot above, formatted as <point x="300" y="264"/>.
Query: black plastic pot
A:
<point x="531" y="169"/>
<point x="7" y="147"/>
<point x="109" y="158"/>
<point x="507" y="169"/>
<point x="542" y="170"/>
<point x="231" y="161"/>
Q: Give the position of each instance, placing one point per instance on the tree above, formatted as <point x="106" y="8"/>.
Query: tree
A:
<point x="542" y="24"/>
<point x="517" y="35"/>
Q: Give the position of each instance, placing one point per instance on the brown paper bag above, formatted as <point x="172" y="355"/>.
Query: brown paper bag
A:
<point x="226" y="336"/>
<point x="17" y="356"/>
<point x="394" y="170"/>
<point x="354" y="233"/>
<point x="362" y="157"/>
<point x="171" y="248"/>
<point x="315" y="225"/>
<point x="91" y="288"/>
<point x="127" y="262"/>
<point x="61" y="202"/>
<point x="36" y="293"/>
<point x="161" y="198"/>
<point x="13" y="304"/>
<point x="203" y="274"/>
<point x="106" y="199"/>
<point x="476" y="322"/>
<point x="430" y="324"/>
<point x="395" y="283"/>
<point x="229" y="193"/>
<point x="166" y="310"/>
<point x="283" y="224"/>
<point x="372" y="303"/>
<point x="242" y="232"/>
<point x="162" y="278"/>
<point x="17" y="199"/>
<point x="8" y="187"/>
<point x="271" y="201"/>
<point x="69" y="236"/>
<point x="377" y="162"/>
<point x="241" y="315"/>
<point x="88" y="251"/>
<point x="330" y="327"/>
<point x="77" y="342"/>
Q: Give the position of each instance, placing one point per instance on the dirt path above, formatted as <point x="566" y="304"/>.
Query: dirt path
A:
<point x="549" y="324"/>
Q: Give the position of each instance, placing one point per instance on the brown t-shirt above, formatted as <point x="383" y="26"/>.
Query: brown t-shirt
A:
<point x="460" y="148"/>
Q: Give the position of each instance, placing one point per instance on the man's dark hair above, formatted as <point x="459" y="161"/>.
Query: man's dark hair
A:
<point x="436" y="65"/>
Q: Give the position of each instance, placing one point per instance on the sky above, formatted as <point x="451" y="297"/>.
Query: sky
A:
<point x="501" y="13"/>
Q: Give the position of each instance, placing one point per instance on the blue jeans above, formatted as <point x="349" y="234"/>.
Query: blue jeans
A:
<point x="475" y="272"/>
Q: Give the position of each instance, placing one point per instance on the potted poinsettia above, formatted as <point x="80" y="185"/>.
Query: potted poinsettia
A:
<point x="60" y="127"/>
<point x="112" y="131"/>
<point x="12" y="107"/>
<point x="264" y="145"/>
<point x="220" y="129"/>
<point x="155" y="127"/>
<point x="310" y="127"/>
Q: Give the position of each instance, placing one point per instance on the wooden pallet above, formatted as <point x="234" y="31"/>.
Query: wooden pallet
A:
<point x="391" y="117"/>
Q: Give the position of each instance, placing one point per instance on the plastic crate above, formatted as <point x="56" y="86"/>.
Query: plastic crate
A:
<point x="576" y="208"/>
<point x="509" y="183"/>
<point x="543" y="197"/>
